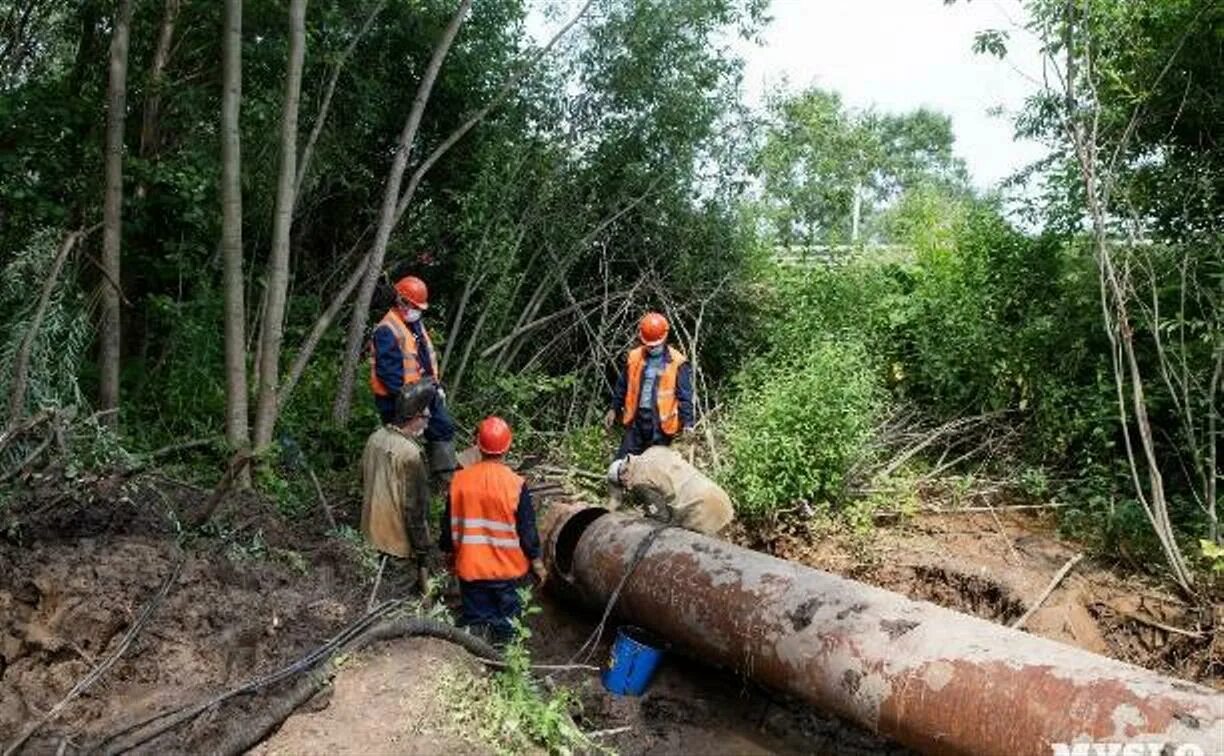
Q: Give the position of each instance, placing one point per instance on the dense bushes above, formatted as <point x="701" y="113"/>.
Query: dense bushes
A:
<point x="978" y="318"/>
<point x="799" y="425"/>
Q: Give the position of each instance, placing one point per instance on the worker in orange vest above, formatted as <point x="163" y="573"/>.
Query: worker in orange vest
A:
<point x="402" y="355"/>
<point x="489" y="526"/>
<point x="653" y="397"/>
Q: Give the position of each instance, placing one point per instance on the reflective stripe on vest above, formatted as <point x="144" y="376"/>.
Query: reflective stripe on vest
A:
<point x="484" y="502"/>
<point x="667" y="404"/>
<point x="408" y="349"/>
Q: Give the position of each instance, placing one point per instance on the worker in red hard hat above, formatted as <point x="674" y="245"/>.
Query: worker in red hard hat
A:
<point x="653" y="397"/>
<point x="401" y="356"/>
<point x="489" y="526"/>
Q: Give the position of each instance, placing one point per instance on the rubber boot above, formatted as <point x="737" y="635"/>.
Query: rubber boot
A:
<point x="442" y="463"/>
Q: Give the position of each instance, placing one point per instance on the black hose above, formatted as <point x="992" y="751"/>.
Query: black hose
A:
<point x="246" y="735"/>
<point x="370" y="628"/>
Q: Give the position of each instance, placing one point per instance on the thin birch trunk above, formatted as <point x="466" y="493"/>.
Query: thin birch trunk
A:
<point x="112" y="217"/>
<point x="342" y="407"/>
<point x="236" y="429"/>
<point x="273" y="330"/>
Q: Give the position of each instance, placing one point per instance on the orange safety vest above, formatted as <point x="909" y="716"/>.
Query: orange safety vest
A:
<point x="408" y="348"/>
<point x="483" y="503"/>
<point x="667" y="405"/>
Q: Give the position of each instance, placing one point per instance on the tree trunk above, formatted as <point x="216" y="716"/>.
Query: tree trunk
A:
<point x="342" y="407"/>
<point x="236" y="431"/>
<point x="150" y="123"/>
<point x="112" y="217"/>
<point x="278" y="262"/>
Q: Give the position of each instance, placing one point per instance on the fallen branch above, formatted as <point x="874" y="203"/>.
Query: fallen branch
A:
<point x="29" y="458"/>
<point x="609" y="732"/>
<point x="1058" y="578"/>
<point x="1159" y="625"/>
<point x="327" y="510"/>
<point x="96" y="673"/>
<point x="238" y="463"/>
<point x="571" y="471"/>
<point x="21" y="362"/>
<point x="382" y="565"/>
<point x="546" y="667"/>
<point x="25" y="426"/>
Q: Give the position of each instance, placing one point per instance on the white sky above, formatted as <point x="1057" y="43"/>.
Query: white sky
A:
<point x="898" y="55"/>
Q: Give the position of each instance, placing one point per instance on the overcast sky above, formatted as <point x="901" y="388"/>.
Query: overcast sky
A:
<point x="894" y="55"/>
<point x="898" y="55"/>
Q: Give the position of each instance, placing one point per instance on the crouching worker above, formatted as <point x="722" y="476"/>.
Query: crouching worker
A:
<point x="395" y="482"/>
<point x="489" y="526"/>
<point x="670" y="489"/>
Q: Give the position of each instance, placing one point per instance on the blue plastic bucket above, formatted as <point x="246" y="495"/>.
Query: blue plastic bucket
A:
<point x="634" y="661"/>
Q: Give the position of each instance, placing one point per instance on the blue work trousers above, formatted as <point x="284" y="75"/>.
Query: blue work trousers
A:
<point x="441" y="427"/>
<point x="642" y="434"/>
<point x="489" y="606"/>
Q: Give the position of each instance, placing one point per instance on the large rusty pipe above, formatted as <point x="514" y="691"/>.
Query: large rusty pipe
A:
<point x="928" y="677"/>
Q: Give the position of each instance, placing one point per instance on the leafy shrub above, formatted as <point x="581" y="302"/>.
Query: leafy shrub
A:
<point x="797" y="427"/>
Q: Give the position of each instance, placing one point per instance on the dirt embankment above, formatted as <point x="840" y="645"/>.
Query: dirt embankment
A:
<point x="256" y="594"/>
<point x="996" y="566"/>
<point x="86" y="565"/>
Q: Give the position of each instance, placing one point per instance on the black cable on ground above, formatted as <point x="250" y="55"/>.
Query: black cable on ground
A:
<point x="592" y="641"/>
<point x="247" y="734"/>
<point x="164" y="721"/>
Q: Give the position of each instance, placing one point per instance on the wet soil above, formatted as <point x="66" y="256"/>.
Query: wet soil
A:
<point x="995" y="567"/>
<point x="80" y="559"/>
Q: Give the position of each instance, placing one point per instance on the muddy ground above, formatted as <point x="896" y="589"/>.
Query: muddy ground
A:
<point x="80" y="561"/>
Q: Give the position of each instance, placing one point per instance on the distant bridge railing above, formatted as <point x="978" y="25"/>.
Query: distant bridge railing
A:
<point x="839" y="254"/>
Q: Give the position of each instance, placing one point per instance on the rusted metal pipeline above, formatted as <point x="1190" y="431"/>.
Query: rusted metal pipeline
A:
<point x="930" y="678"/>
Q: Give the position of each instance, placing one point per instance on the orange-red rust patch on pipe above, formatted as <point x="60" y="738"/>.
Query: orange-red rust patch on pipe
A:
<point x="931" y="678"/>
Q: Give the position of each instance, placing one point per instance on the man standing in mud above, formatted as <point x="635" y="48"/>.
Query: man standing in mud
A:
<point x="489" y="525"/>
<point x="395" y="482"/>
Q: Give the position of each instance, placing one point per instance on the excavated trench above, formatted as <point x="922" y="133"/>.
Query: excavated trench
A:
<point x="78" y="570"/>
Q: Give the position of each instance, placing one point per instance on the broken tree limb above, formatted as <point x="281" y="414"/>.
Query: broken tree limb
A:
<point x="21" y="363"/>
<point x="325" y="106"/>
<point x="239" y="462"/>
<point x="1058" y="578"/>
<point x="387" y="215"/>
<point x="327" y="510"/>
<point x="97" y="672"/>
<point x="27" y="425"/>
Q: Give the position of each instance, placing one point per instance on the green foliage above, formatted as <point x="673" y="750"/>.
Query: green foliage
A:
<point x="585" y="448"/>
<point x="62" y="341"/>
<point x="798" y="423"/>
<point x="511" y="712"/>
<point x="818" y="155"/>
<point x="365" y="554"/>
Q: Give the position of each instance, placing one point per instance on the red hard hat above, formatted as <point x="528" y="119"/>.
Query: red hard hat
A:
<point x="652" y="329"/>
<point x="493" y="436"/>
<point x="413" y="291"/>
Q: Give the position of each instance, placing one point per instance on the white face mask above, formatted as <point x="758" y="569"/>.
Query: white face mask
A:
<point x="413" y="315"/>
<point x="657" y="349"/>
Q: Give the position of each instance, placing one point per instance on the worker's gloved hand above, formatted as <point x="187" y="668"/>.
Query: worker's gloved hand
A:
<point x="539" y="571"/>
<point x="441" y="391"/>
<point x="685" y="443"/>
<point x="609" y="420"/>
